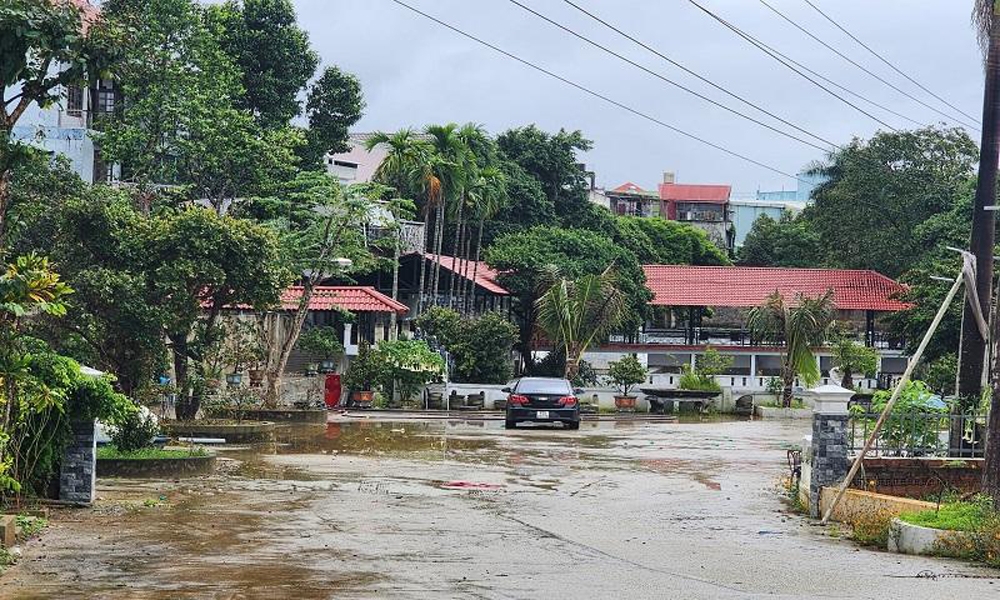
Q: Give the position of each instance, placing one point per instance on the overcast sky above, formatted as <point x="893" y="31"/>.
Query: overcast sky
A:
<point x="415" y="72"/>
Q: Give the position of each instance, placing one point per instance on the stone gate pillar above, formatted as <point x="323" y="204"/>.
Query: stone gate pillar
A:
<point x="829" y="462"/>
<point x="78" y="471"/>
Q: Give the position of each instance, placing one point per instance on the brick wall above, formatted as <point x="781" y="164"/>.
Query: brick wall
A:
<point x="919" y="477"/>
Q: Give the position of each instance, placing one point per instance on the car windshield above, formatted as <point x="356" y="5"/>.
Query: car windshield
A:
<point x="543" y="386"/>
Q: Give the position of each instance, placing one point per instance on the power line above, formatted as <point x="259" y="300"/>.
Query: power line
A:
<point x="887" y="62"/>
<point x="863" y="68"/>
<point x="787" y="63"/>
<point x="598" y="95"/>
<point x="695" y="74"/>
<point x="668" y="80"/>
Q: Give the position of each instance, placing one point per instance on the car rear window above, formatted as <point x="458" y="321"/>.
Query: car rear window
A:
<point x="544" y="386"/>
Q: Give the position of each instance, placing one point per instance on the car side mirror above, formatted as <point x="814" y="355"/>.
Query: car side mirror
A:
<point x="506" y="390"/>
<point x="577" y="391"/>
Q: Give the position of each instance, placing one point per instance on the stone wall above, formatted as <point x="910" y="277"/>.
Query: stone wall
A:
<point x="919" y="477"/>
<point x="77" y="472"/>
<point x="829" y="462"/>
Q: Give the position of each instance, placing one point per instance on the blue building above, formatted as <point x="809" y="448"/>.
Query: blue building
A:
<point x="744" y="212"/>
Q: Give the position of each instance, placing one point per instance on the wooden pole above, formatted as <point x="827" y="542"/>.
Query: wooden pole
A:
<point x="895" y="396"/>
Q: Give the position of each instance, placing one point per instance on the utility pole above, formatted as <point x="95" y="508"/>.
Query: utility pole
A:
<point x="972" y="353"/>
<point x="982" y="247"/>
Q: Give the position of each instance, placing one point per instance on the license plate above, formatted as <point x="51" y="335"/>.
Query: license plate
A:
<point x="542" y="414"/>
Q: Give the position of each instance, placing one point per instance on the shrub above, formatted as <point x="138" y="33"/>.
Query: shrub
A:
<point x="480" y="347"/>
<point x="323" y="342"/>
<point x="903" y="432"/>
<point x="702" y="377"/>
<point x="407" y="365"/>
<point x="626" y="373"/>
<point x="364" y="371"/>
<point x="135" y="432"/>
<point x="871" y="528"/>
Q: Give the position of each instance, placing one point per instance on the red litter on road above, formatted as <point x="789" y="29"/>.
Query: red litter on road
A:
<point x="469" y="485"/>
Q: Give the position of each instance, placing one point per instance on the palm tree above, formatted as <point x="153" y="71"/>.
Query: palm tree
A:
<point x="410" y="163"/>
<point x="451" y="170"/>
<point x="986" y="16"/>
<point x="798" y="328"/>
<point x="573" y="314"/>
<point x="489" y="192"/>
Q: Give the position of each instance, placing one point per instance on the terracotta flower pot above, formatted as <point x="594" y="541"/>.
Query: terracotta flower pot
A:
<point x="625" y="403"/>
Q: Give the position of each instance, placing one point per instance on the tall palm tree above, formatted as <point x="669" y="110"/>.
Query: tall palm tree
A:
<point x="798" y="327"/>
<point x="450" y="170"/>
<point x="489" y="193"/>
<point x="986" y="16"/>
<point x="573" y="314"/>
<point x="410" y="165"/>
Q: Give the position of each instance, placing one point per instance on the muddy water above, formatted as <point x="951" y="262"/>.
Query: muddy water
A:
<point x="465" y="509"/>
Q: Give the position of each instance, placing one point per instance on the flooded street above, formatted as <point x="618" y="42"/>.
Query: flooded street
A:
<point x="465" y="509"/>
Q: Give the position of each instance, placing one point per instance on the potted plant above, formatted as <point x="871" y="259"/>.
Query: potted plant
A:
<point x="323" y="343"/>
<point x="362" y="375"/>
<point x="245" y="348"/>
<point x="625" y="374"/>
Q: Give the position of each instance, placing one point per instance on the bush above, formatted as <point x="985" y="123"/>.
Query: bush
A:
<point x="626" y="373"/>
<point x="406" y="366"/>
<point x="135" y="432"/>
<point x="480" y="347"/>
<point x="322" y="342"/>
<point x="902" y="432"/>
<point x="702" y="376"/>
<point x="364" y="372"/>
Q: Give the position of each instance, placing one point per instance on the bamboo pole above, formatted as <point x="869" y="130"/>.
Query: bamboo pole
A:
<point x="895" y="396"/>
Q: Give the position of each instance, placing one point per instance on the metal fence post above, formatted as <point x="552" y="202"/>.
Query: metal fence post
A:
<point x="828" y="452"/>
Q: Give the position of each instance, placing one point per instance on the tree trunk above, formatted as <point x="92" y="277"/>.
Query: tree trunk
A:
<point x="422" y="293"/>
<point x="456" y="251"/>
<point x="272" y="390"/>
<point x="475" y="268"/>
<point x="788" y="381"/>
<point x="986" y="196"/>
<point x="5" y="177"/>
<point x="438" y="244"/>
<point x="395" y="287"/>
<point x="188" y="402"/>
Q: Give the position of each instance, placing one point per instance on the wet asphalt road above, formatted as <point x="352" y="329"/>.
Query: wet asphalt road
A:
<point x="464" y="509"/>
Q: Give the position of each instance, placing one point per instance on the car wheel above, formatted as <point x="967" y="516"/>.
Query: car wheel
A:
<point x="509" y="424"/>
<point x="573" y="425"/>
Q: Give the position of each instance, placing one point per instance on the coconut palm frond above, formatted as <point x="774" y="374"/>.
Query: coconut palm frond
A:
<point x="982" y="19"/>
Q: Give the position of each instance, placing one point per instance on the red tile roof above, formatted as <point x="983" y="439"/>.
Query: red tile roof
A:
<point x="486" y="277"/>
<point x="631" y="188"/>
<point x="712" y="194"/>
<point x="352" y="298"/>
<point x="745" y="287"/>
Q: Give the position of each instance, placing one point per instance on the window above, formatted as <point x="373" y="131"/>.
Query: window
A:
<point x="74" y="101"/>
<point x="105" y="97"/>
<point x="531" y="385"/>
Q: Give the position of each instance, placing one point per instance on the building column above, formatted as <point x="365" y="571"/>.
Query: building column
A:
<point x="78" y="469"/>
<point x="826" y="461"/>
<point x="753" y="365"/>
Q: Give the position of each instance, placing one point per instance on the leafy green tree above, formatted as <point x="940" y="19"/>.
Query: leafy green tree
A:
<point x="626" y="372"/>
<point x="551" y="159"/>
<point x="880" y="190"/>
<point x="576" y="313"/>
<point x="407" y="365"/>
<point x="452" y="167"/>
<point x="524" y="259"/>
<point x="45" y="46"/>
<point x="480" y="346"/>
<point x="526" y="204"/>
<point x="334" y="104"/>
<point x="662" y="242"/>
<point x="202" y="263"/>
<point x="327" y="226"/>
<point x="273" y="55"/>
<point x="853" y="358"/>
<point x="181" y="125"/>
<point x="797" y="327"/>
<point x="788" y="242"/>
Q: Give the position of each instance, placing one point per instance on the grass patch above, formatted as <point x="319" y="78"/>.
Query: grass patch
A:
<point x="956" y="516"/>
<point x="796" y="403"/>
<point x="110" y="452"/>
<point x="30" y="526"/>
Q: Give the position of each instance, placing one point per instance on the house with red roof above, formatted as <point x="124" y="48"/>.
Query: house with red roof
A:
<point x="701" y="307"/>
<point x="629" y="199"/>
<point x="704" y="206"/>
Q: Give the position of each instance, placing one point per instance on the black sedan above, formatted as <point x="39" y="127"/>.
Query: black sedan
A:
<point x="542" y="400"/>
